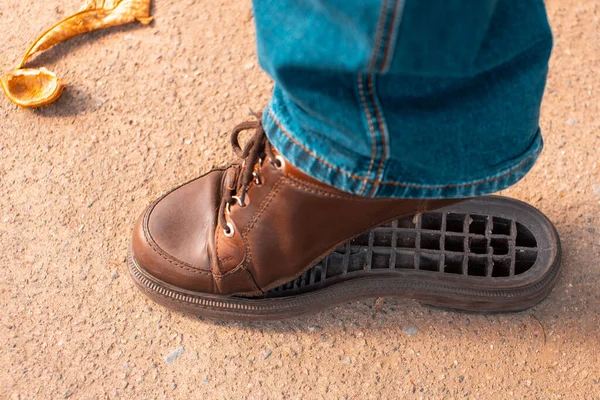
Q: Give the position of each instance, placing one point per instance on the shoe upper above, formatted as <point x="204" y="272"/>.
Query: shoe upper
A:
<point x="287" y="225"/>
<point x="201" y="238"/>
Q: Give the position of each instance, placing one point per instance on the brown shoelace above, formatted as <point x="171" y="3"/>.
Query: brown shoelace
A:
<point x="254" y="152"/>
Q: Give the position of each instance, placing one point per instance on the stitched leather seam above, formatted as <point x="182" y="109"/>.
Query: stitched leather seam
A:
<point x="312" y="189"/>
<point x="239" y="266"/>
<point x="155" y="246"/>
<point x="391" y="183"/>
<point x="226" y="259"/>
<point x="236" y="271"/>
<point x="306" y="186"/>
<point x="265" y="203"/>
<point x="162" y="253"/>
<point x="217" y="235"/>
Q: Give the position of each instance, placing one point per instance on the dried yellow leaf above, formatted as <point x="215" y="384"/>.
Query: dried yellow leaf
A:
<point x="94" y="15"/>
<point x="34" y="88"/>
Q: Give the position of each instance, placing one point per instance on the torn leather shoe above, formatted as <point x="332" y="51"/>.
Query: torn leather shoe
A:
<point x="254" y="226"/>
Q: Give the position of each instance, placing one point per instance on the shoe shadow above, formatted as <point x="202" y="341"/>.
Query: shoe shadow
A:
<point x="368" y="314"/>
<point x="409" y="317"/>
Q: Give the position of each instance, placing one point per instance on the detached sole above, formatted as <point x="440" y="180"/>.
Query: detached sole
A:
<point x="489" y="254"/>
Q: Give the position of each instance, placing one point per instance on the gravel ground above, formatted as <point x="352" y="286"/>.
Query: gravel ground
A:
<point x="150" y="107"/>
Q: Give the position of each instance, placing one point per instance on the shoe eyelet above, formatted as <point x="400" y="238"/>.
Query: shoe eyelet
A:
<point x="239" y="201"/>
<point x="230" y="231"/>
<point x="279" y="162"/>
<point x="257" y="180"/>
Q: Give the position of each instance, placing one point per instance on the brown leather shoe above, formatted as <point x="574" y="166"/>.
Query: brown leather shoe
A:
<point x="217" y="244"/>
<point x="248" y="228"/>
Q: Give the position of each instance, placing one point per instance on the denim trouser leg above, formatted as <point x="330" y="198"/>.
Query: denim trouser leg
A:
<point x="406" y="98"/>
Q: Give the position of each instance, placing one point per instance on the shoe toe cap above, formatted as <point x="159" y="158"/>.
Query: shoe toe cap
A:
<point x="173" y="239"/>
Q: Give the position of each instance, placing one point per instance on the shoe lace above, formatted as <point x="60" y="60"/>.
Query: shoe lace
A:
<point x="254" y="152"/>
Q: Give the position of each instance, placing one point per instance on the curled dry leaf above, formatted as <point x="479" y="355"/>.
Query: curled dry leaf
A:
<point x="35" y="88"/>
<point x="32" y="87"/>
<point x="94" y="15"/>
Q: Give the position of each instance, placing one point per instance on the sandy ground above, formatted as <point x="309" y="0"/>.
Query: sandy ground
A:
<point x="150" y="107"/>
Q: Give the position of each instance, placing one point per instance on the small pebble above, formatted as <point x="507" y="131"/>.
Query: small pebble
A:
<point x="411" y="330"/>
<point x="266" y="354"/>
<point x="174" y="355"/>
<point x="115" y="275"/>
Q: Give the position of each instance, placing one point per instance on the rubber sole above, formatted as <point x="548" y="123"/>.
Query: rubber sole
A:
<point x="489" y="254"/>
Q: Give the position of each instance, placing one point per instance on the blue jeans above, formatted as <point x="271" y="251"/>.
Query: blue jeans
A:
<point x="406" y="98"/>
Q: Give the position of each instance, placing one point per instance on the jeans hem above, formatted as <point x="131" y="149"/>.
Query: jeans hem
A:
<point x="318" y="167"/>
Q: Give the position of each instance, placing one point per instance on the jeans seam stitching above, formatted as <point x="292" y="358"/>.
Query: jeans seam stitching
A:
<point x="397" y="13"/>
<point x="384" y="39"/>
<point x="381" y="23"/>
<point x="363" y="99"/>
<point x="384" y="137"/>
<point x="392" y="183"/>
<point x="483" y="181"/>
<point x="377" y="48"/>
